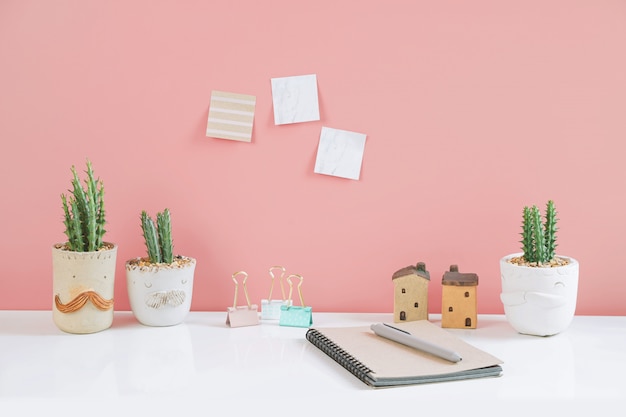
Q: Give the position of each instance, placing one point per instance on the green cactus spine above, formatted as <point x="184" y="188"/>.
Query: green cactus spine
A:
<point x="539" y="239"/>
<point x="550" y="230"/>
<point x="527" y="234"/>
<point x="84" y="214"/>
<point x="538" y="236"/>
<point x="158" y="237"/>
<point x="150" y="238"/>
<point x="164" y="225"/>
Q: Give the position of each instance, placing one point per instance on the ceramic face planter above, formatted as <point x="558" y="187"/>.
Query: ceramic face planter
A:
<point x="83" y="288"/>
<point x="539" y="301"/>
<point x="160" y="295"/>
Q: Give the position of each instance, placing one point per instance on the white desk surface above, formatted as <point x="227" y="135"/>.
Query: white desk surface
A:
<point x="203" y="366"/>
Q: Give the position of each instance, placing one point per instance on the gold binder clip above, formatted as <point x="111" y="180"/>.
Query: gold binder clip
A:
<point x="296" y="316"/>
<point x="243" y="315"/>
<point x="270" y="309"/>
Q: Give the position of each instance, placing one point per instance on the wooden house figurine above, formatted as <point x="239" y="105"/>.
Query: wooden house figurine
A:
<point x="411" y="293"/>
<point x="458" y="305"/>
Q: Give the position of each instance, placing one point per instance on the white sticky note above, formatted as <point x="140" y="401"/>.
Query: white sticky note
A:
<point x="340" y="153"/>
<point x="231" y="116"/>
<point x="295" y="99"/>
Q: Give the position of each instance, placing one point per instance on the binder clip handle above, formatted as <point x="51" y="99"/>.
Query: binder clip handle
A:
<point x="245" y="290"/>
<point x="298" y="276"/>
<point x="280" y="280"/>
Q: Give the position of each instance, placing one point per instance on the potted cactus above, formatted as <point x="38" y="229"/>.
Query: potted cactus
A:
<point x="83" y="267"/>
<point x="539" y="287"/>
<point x="160" y="285"/>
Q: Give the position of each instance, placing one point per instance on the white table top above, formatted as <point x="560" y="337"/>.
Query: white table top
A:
<point x="203" y="365"/>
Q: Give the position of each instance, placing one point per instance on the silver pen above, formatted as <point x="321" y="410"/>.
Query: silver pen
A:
<point x="393" y="333"/>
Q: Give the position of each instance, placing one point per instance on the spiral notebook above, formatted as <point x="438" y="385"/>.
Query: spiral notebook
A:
<point x="380" y="362"/>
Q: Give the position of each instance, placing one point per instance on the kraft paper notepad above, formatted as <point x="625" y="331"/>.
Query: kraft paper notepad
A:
<point x="381" y="362"/>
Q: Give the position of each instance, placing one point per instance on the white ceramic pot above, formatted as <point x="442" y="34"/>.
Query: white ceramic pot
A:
<point x="539" y="301"/>
<point x="160" y="295"/>
<point x="83" y="288"/>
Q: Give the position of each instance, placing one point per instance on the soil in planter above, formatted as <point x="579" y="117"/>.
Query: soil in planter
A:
<point x="144" y="263"/>
<point x="105" y="246"/>
<point x="553" y="263"/>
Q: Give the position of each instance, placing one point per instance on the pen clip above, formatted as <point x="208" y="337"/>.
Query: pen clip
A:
<point x="395" y="328"/>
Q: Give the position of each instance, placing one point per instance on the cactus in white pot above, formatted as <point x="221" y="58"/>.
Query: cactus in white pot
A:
<point x="539" y="287"/>
<point x="160" y="285"/>
<point x="539" y="238"/>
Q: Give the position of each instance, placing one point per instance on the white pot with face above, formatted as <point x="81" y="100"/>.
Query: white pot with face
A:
<point x="160" y="294"/>
<point x="539" y="301"/>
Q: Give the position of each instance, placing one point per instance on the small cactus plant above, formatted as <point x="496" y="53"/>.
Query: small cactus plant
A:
<point x="84" y="213"/>
<point x="158" y="237"/>
<point x="539" y="238"/>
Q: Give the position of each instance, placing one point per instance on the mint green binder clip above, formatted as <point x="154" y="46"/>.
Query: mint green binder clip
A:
<point x="270" y="309"/>
<point x="294" y="316"/>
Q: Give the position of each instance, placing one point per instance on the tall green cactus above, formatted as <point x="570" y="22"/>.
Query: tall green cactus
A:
<point x="164" y="225"/>
<point x="527" y="234"/>
<point x="84" y="214"/>
<point x="550" y="230"/>
<point x="158" y="237"/>
<point x="150" y="238"/>
<point x="539" y="239"/>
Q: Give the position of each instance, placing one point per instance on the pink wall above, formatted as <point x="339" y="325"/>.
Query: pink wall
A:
<point x="471" y="109"/>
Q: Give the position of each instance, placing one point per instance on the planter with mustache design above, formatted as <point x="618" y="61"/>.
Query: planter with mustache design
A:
<point x="83" y="286"/>
<point x="160" y="294"/>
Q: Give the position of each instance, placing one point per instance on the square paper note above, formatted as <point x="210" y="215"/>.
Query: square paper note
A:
<point x="295" y="99"/>
<point x="231" y="116"/>
<point x="340" y="153"/>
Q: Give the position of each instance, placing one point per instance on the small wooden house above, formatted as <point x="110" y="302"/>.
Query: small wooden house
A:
<point x="411" y="293"/>
<point x="458" y="305"/>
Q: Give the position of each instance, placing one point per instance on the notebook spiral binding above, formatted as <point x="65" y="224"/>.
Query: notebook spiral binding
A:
<point x="339" y="355"/>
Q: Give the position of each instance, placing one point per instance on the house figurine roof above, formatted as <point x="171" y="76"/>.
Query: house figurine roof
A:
<point x="419" y="270"/>
<point x="454" y="277"/>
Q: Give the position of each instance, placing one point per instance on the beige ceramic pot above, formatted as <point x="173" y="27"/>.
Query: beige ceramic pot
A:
<point x="83" y="289"/>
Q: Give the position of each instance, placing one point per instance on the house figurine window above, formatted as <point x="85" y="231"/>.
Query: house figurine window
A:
<point x="416" y="305"/>
<point x="403" y="290"/>
<point x="466" y="294"/>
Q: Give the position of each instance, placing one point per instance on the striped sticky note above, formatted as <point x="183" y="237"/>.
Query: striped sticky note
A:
<point x="231" y="116"/>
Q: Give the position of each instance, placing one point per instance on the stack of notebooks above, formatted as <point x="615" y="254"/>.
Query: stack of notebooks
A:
<point x="380" y="362"/>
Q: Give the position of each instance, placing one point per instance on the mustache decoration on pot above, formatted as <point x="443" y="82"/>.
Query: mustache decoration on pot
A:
<point x="81" y="299"/>
<point x="159" y="299"/>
